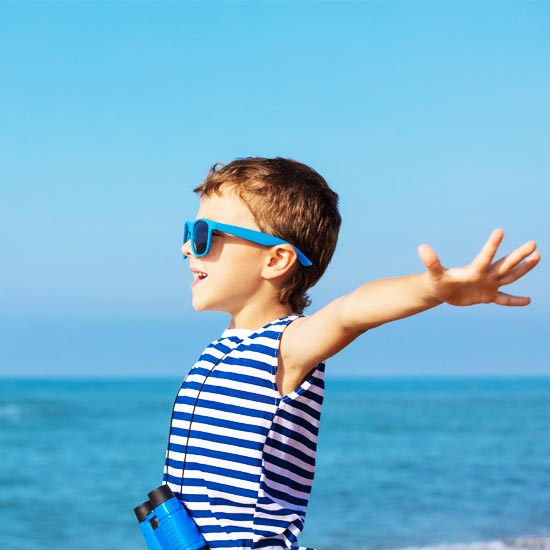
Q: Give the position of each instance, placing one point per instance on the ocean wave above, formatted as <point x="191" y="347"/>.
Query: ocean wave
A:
<point x="519" y="543"/>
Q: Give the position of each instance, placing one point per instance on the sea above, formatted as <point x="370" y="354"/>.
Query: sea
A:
<point x="403" y="463"/>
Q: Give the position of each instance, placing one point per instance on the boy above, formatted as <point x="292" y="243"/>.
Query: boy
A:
<point x="241" y="452"/>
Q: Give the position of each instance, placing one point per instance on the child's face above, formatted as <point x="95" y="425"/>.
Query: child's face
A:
<point x="228" y="278"/>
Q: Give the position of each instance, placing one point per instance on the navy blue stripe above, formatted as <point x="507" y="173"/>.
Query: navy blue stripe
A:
<point x="174" y="480"/>
<point x="287" y="482"/>
<point x="275" y="542"/>
<point x="241" y="394"/>
<point x="232" y="543"/>
<point x="310" y="396"/>
<point x="264" y="543"/>
<point x="227" y="407"/>
<point x="290" y="450"/>
<point x="215" y="438"/>
<point x="303" y="407"/>
<point x="235" y="339"/>
<point x="210" y="387"/>
<point x="220" y="470"/>
<point x="290" y="434"/>
<point x="287" y="466"/>
<point x="222" y="515"/>
<point x="299" y="421"/>
<point x="228" y="471"/>
<point x="285" y="497"/>
<point x="213" y="453"/>
<point x="242" y="378"/>
<point x="271" y="534"/>
<point x="207" y="357"/>
<point x="269" y="522"/>
<point x="220" y="422"/>
<point x="282" y="512"/>
<point x="220" y="487"/>
<point x="263" y="349"/>
<point x="269" y="334"/>
<point x="301" y="432"/>
<point x="220" y="502"/>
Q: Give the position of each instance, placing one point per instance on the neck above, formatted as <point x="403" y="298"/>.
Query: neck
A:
<point x="256" y="317"/>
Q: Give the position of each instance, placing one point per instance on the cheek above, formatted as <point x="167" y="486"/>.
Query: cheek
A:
<point x="245" y="269"/>
<point x="239" y="254"/>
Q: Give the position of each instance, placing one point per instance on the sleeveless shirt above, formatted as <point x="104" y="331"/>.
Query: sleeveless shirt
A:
<point x="240" y="456"/>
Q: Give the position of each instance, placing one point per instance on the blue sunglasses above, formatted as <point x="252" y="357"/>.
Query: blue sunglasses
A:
<point x="200" y="234"/>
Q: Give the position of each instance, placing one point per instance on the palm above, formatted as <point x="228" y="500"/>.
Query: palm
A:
<point x="480" y="281"/>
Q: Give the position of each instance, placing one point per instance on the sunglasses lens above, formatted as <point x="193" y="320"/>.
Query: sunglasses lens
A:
<point x="200" y="238"/>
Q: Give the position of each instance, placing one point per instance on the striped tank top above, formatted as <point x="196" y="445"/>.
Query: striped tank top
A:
<point x="241" y="456"/>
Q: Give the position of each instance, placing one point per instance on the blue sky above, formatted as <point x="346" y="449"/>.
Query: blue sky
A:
<point x="431" y="120"/>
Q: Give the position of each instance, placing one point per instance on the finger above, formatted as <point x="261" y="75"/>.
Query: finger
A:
<point x="520" y="270"/>
<point x="504" y="299"/>
<point x="430" y="260"/>
<point x="483" y="260"/>
<point x="514" y="258"/>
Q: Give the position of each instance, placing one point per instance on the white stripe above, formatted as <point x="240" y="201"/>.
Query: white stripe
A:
<point x="206" y="506"/>
<point x="276" y="453"/>
<point x="285" y="489"/>
<point x="237" y="499"/>
<point x="221" y="415"/>
<point x="296" y="427"/>
<point x="290" y="406"/>
<point x="234" y="535"/>
<point x="222" y="463"/>
<point x="246" y="370"/>
<point x="242" y="386"/>
<point x="215" y="352"/>
<point x="238" y="402"/>
<point x="294" y="444"/>
<point x="227" y="432"/>
<point x="264" y="515"/>
<point x="221" y="447"/>
<point x="229" y="482"/>
<point x="254" y="355"/>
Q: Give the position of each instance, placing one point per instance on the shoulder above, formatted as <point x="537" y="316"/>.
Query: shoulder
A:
<point x="308" y="341"/>
<point x="294" y="366"/>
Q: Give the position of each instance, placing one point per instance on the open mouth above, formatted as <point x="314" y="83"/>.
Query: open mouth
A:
<point x="199" y="275"/>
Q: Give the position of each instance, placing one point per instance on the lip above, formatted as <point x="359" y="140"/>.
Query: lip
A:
<point x="199" y="276"/>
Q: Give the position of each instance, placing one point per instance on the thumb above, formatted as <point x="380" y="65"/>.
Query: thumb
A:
<point x="430" y="260"/>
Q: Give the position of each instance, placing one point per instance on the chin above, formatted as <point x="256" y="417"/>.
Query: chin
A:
<point x="197" y="306"/>
<point x="202" y="305"/>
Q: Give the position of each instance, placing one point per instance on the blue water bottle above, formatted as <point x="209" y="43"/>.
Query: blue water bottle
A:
<point x="176" y="528"/>
<point x="148" y="523"/>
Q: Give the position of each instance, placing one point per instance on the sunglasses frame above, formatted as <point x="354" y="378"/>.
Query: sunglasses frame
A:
<point x="241" y="232"/>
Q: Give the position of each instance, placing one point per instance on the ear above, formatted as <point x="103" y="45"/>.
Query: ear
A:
<point x="280" y="261"/>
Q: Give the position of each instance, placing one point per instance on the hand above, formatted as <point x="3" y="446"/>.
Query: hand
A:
<point x="480" y="281"/>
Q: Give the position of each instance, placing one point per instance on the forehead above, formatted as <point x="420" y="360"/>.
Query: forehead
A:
<point x="226" y="207"/>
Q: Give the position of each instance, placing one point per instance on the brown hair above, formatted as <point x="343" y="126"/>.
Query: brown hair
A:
<point x="291" y="201"/>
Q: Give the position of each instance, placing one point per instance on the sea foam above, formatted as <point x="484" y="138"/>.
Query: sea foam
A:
<point x="519" y="543"/>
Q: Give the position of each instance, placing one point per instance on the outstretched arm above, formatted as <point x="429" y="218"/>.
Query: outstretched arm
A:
<point x="310" y="340"/>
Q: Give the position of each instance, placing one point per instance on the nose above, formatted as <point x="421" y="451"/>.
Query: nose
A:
<point x="186" y="249"/>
